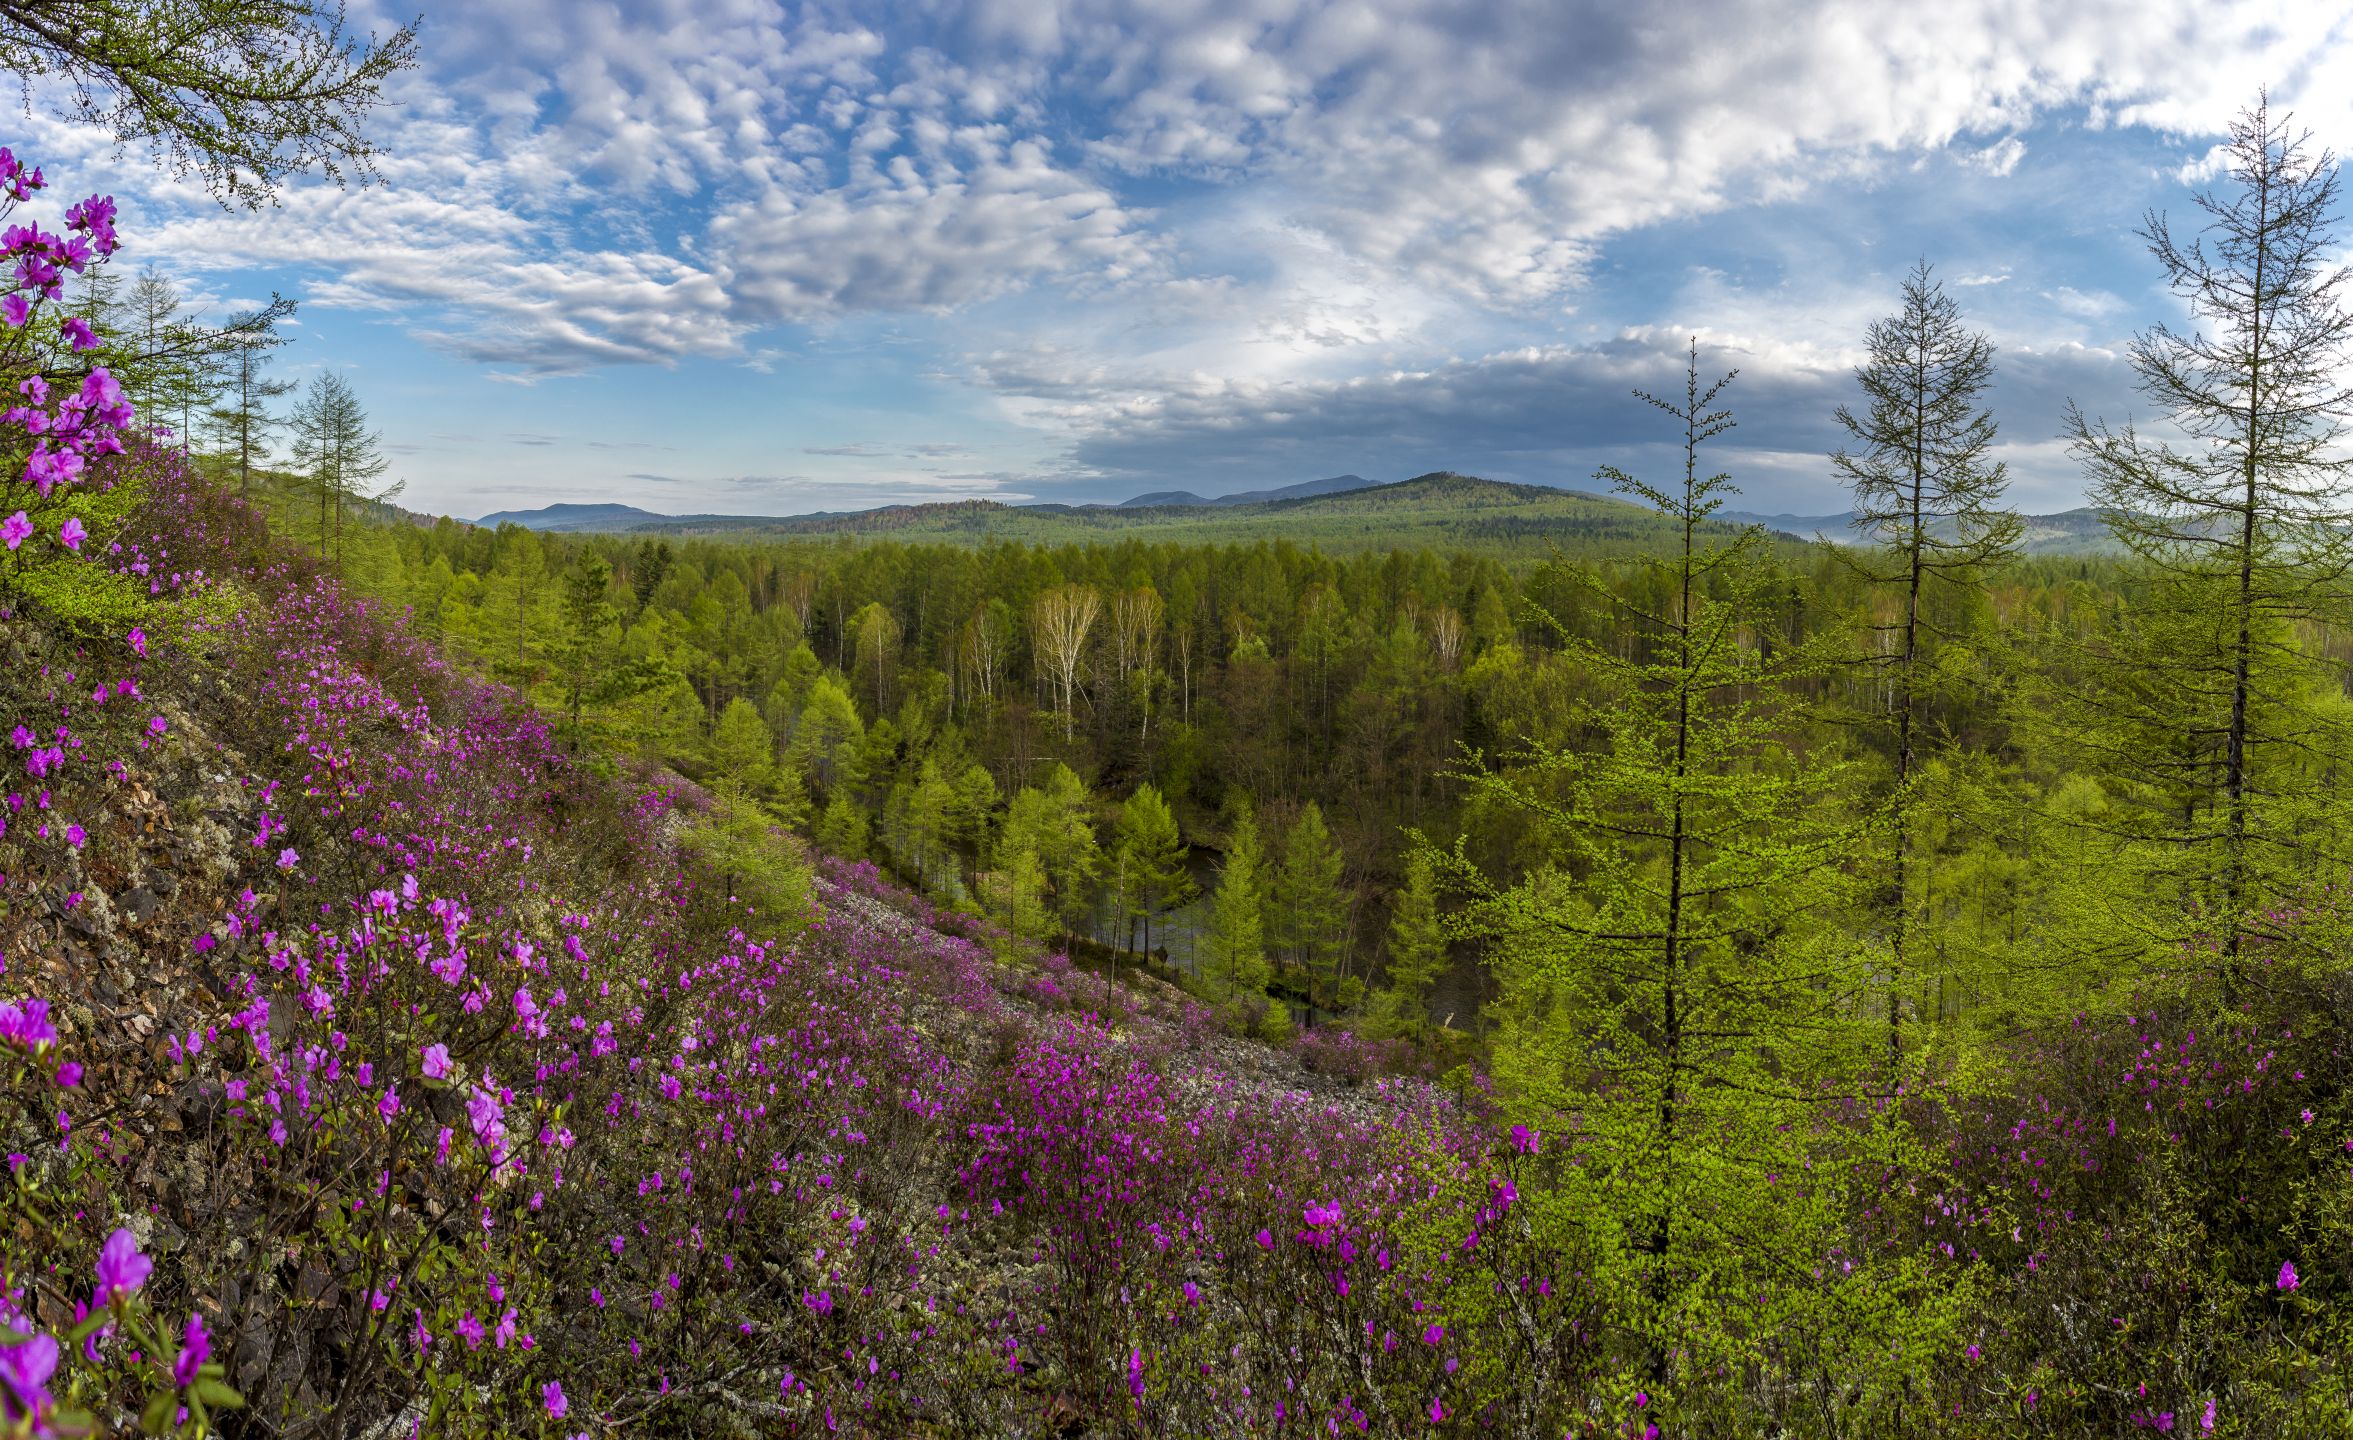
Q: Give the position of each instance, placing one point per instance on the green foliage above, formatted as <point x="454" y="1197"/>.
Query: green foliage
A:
<point x="1416" y="951"/>
<point x="244" y="94"/>
<point x="842" y="829"/>
<point x="1927" y="499"/>
<point x="1055" y="825"/>
<point x="1673" y="983"/>
<point x="1234" y="964"/>
<point x="2204" y="690"/>
<point x="1308" y="904"/>
<point x="1149" y="858"/>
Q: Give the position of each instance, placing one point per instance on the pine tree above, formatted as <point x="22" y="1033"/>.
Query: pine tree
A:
<point x="1927" y="499"/>
<point x="2207" y="711"/>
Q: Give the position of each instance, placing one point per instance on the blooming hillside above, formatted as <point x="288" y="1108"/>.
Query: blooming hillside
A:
<point x="373" y="1052"/>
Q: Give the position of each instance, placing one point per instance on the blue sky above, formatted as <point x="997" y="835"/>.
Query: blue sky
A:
<point x="759" y="257"/>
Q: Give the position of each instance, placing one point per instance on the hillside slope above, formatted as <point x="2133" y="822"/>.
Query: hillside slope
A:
<point x="443" y="1087"/>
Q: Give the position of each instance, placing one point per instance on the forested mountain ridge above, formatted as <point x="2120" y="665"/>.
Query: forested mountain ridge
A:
<point x="1441" y="509"/>
<point x="1330" y="485"/>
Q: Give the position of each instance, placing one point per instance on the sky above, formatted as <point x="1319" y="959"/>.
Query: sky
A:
<point x="768" y="258"/>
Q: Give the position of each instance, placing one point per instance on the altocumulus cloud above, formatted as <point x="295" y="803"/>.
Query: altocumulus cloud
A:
<point x="1077" y="190"/>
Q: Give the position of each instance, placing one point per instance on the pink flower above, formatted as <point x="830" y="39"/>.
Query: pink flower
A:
<point x="16" y="529"/>
<point x="553" y="1393"/>
<point x="16" y="310"/>
<point x="2287" y="1276"/>
<point x="71" y="534"/>
<point x="137" y="640"/>
<point x="121" y="1268"/>
<point x="77" y="332"/>
<point x="437" y="1062"/>
<point x="389" y="1106"/>
<point x="195" y="1349"/>
<point x="25" y="1369"/>
<point x="288" y="858"/>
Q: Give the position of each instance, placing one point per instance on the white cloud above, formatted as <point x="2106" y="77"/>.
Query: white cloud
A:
<point x="1999" y="158"/>
<point x="1238" y="218"/>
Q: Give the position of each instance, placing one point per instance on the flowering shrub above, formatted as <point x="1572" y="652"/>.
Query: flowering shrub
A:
<point x="58" y="502"/>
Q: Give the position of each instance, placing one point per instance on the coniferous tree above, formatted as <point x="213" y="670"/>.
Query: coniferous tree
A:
<point x="2207" y="711"/>
<point x="1056" y="824"/>
<point x="1927" y="504"/>
<point x="244" y="94"/>
<point x="827" y="737"/>
<point x="341" y="458"/>
<point x="243" y="412"/>
<point x="1416" y="951"/>
<point x="1310" y="903"/>
<point x="1672" y="976"/>
<point x="1235" y="965"/>
<point x="842" y="830"/>
<point x="1151" y="858"/>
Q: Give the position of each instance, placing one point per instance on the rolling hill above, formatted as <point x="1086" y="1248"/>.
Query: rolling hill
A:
<point x="1441" y="509"/>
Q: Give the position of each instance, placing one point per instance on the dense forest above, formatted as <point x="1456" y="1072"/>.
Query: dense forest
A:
<point x="1669" y="981"/>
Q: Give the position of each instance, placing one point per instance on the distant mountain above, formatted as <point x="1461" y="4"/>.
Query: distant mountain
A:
<point x="564" y="517"/>
<point x="1345" y="512"/>
<point x="1337" y="484"/>
<point x="2068" y="532"/>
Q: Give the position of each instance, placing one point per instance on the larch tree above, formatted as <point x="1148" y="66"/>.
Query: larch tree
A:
<point x="247" y="423"/>
<point x="1309" y="903"/>
<point x="1234" y="963"/>
<point x="1416" y="951"/>
<point x="241" y="94"/>
<point x="1927" y="501"/>
<point x="1056" y="824"/>
<point x="1673" y="973"/>
<point x="1150" y="858"/>
<point x="2241" y="518"/>
<point x="340" y="456"/>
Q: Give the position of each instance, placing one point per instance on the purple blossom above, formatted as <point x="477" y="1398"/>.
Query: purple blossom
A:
<point x="71" y="534"/>
<point x="437" y="1066"/>
<point x="16" y="529"/>
<point x="25" y="1369"/>
<point x="2287" y="1276"/>
<point x="195" y="1349"/>
<point x="552" y="1393"/>
<point x="121" y="1268"/>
